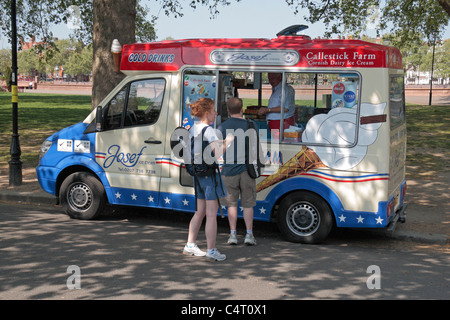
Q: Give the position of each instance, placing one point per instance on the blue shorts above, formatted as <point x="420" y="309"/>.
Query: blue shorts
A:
<point x="210" y="187"/>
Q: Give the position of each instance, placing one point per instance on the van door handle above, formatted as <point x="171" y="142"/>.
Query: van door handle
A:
<point x="152" y="141"/>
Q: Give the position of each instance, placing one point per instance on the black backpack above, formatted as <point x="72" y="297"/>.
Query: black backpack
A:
<point x="254" y="168"/>
<point x="186" y="151"/>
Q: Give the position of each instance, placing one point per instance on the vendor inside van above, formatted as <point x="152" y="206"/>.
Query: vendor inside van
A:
<point x="273" y="109"/>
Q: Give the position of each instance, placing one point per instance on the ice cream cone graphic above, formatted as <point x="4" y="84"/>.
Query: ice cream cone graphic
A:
<point x="116" y="50"/>
<point x="303" y="161"/>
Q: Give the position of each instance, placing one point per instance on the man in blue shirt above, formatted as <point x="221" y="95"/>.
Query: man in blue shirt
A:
<point x="273" y="110"/>
<point x="234" y="172"/>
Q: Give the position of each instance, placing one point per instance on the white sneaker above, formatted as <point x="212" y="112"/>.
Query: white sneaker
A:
<point x="193" y="251"/>
<point x="216" y="256"/>
<point x="232" y="239"/>
<point x="250" y="239"/>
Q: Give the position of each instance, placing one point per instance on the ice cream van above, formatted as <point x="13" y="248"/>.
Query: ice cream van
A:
<point x="341" y="165"/>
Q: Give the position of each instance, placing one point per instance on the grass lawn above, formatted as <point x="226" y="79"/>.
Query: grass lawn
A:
<point x="40" y="115"/>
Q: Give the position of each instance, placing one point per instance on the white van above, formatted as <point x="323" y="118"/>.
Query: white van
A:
<point x="342" y="163"/>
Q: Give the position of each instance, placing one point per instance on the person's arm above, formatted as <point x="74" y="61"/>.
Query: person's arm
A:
<point x="265" y="110"/>
<point x="219" y="146"/>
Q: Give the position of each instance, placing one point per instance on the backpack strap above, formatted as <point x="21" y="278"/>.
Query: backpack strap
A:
<point x="217" y="170"/>
<point x="197" y="184"/>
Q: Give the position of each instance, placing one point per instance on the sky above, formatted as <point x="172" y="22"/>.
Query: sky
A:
<point x="245" y="19"/>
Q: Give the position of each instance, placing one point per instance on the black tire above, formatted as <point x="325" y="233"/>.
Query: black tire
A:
<point x="304" y="217"/>
<point x="82" y="196"/>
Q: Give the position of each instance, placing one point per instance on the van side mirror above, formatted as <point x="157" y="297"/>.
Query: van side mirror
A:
<point x="99" y="119"/>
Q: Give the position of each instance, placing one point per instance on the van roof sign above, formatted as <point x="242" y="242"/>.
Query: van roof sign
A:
<point x="273" y="57"/>
<point x="292" y="51"/>
<point x="256" y="57"/>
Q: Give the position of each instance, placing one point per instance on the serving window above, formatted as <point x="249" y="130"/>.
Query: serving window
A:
<point x="396" y="100"/>
<point x="317" y="94"/>
<point x="308" y="100"/>
<point x="304" y="96"/>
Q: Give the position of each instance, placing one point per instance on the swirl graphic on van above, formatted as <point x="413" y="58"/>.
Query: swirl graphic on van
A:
<point x="115" y="155"/>
<point x="337" y="128"/>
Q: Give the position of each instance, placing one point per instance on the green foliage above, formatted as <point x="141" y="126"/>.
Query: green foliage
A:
<point x="5" y="67"/>
<point x="175" y="7"/>
<point x="75" y="58"/>
<point x="408" y="20"/>
<point x="419" y="55"/>
<point x="79" y="62"/>
<point x="36" y="17"/>
<point x="145" y="31"/>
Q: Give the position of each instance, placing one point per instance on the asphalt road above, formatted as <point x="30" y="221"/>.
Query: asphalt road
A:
<point x="46" y="255"/>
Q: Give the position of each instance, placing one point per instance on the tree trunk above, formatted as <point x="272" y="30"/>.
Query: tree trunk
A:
<point x="111" y="20"/>
<point x="445" y="4"/>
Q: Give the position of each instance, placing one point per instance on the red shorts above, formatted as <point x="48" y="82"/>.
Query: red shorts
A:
<point x="275" y="125"/>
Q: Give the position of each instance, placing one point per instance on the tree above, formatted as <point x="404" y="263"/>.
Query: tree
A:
<point x="5" y="67"/>
<point x="445" y="4"/>
<point x="111" y="20"/>
<point x="441" y="58"/>
<point x="79" y="62"/>
<point x="5" y="59"/>
<point x="407" y="19"/>
<point x="100" y="21"/>
<point x="444" y="61"/>
<point x="58" y="54"/>
<point x="45" y="61"/>
<point x="27" y="61"/>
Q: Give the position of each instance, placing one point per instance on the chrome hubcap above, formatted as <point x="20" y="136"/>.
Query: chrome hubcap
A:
<point x="303" y="218"/>
<point x="79" y="197"/>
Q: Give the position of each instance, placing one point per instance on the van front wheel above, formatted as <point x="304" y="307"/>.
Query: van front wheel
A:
<point x="82" y="196"/>
<point x="304" y="217"/>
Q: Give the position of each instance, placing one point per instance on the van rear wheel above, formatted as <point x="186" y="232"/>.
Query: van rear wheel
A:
<point x="82" y="196"/>
<point x="304" y="217"/>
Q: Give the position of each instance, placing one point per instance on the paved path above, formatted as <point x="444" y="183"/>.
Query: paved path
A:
<point x="138" y="256"/>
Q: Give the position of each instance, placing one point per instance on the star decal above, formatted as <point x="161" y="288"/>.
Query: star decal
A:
<point x="262" y="210"/>
<point x="379" y="220"/>
<point x="167" y="200"/>
<point x="185" y="202"/>
<point x="150" y="199"/>
<point x="342" y="218"/>
<point x="117" y="195"/>
<point x="133" y="197"/>
<point x="360" y="219"/>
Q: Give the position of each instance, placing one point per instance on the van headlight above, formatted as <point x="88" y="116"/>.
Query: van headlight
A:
<point x="44" y="148"/>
